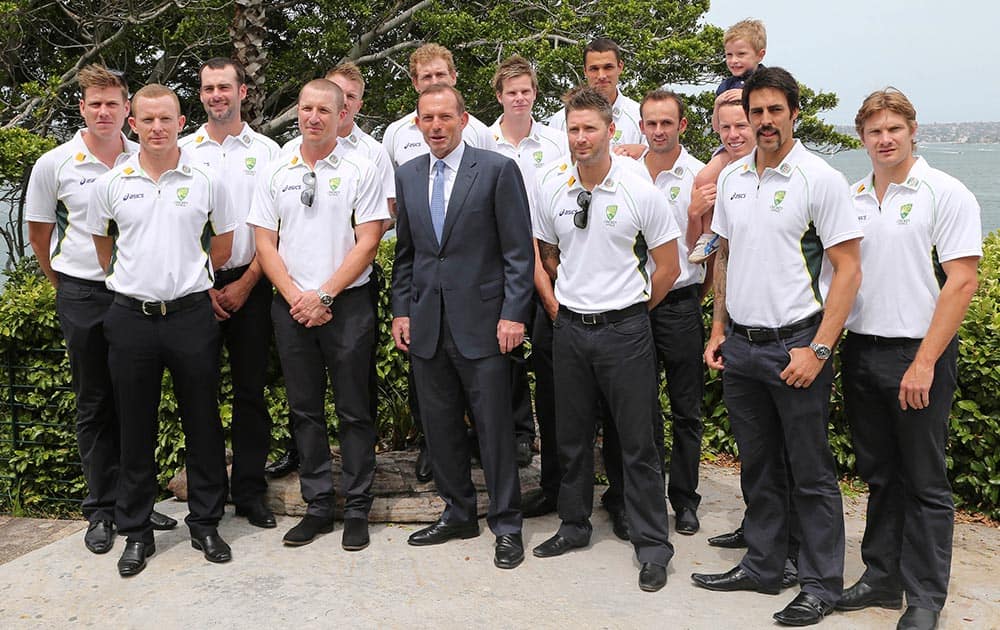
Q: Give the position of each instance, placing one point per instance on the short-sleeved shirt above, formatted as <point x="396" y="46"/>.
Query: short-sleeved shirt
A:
<point x="59" y="192"/>
<point x="313" y="241"/>
<point x="928" y="219"/>
<point x="540" y="147"/>
<point x="603" y="266"/>
<point x="779" y="226"/>
<point x="624" y="113"/>
<point x="365" y="146"/>
<point x="162" y="229"/>
<point x="676" y="185"/>
<point x="403" y="140"/>
<point x="239" y="161"/>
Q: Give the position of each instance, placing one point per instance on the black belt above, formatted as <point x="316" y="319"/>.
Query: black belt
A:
<point x="691" y="291"/>
<point x="875" y="340"/>
<point x="607" y="317"/>
<point x="758" y="334"/>
<point x="226" y="276"/>
<point x="95" y="284"/>
<point x="155" y="307"/>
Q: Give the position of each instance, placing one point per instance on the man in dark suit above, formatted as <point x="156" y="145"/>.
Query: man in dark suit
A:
<point x="461" y="294"/>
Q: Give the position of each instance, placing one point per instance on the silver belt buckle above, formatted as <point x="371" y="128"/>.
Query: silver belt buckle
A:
<point x="147" y="303"/>
<point x="589" y="319"/>
<point x="750" y="334"/>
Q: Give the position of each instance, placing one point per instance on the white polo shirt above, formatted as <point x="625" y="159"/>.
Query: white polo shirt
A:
<point x="239" y="161"/>
<point x="59" y="192"/>
<point x="540" y="147"/>
<point x="676" y="185"/>
<point x="314" y="241"/>
<point x="779" y="226"/>
<point x="928" y="219"/>
<point x="624" y="113"/>
<point x="403" y="141"/>
<point x="365" y="146"/>
<point x="162" y="229"/>
<point x="603" y="266"/>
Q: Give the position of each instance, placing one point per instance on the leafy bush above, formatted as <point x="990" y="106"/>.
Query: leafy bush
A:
<point x="37" y="439"/>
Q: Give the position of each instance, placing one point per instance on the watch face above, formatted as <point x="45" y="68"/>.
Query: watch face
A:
<point x="326" y="300"/>
<point x="822" y="352"/>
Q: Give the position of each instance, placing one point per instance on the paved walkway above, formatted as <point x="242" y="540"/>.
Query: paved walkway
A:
<point x="392" y="585"/>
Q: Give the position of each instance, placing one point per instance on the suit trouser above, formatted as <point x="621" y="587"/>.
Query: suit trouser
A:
<point x="772" y="421"/>
<point x="186" y="342"/>
<point x="81" y="306"/>
<point x="247" y="336"/>
<point x="445" y="382"/>
<point x="901" y="456"/>
<point x="545" y="402"/>
<point x="615" y="361"/>
<point x="342" y="346"/>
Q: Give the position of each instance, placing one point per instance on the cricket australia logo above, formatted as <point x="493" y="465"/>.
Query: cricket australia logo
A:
<point x="617" y="137"/>
<point x="610" y="213"/>
<point x="537" y="157"/>
<point x="250" y="162"/>
<point x="904" y="212"/>
<point x="182" y="193"/>
<point x="674" y="192"/>
<point x="334" y="184"/>
<point x="779" y="196"/>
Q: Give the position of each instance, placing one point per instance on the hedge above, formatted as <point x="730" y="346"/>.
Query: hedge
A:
<point x="40" y="471"/>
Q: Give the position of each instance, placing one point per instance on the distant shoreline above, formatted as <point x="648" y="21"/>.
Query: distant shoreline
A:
<point x="956" y="133"/>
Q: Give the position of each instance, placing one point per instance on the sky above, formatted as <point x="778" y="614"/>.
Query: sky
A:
<point x="944" y="56"/>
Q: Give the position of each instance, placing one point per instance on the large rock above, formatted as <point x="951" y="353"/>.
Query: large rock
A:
<point x="398" y="496"/>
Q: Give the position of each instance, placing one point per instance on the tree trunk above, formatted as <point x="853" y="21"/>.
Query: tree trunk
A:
<point x="247" y="32"/>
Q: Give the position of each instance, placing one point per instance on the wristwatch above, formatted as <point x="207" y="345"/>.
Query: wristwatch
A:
<point x="327" y="300"/>
<point x="822" y="352"/>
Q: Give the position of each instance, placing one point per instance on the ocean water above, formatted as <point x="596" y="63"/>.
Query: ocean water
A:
<point x="975" y="165"/>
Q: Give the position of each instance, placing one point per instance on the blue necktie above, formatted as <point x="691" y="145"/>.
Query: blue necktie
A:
<point x="437" y="200"/>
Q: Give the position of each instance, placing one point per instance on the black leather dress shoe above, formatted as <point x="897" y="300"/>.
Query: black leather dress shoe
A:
<point x="918" y="619"/>
<point x="133" y="559"/>
<point x="732" y="540"/>
<point x="536" y="503"/>
<point x="652" y="577"/>
<point x="422" y="468"/>
<point x="442" y="532"/>
<point x="100" y="536"/>
<point x="556" y="546"/>
<point x="863" y="595"/>
<point x="258" y="514"/>
<point x="619" y="523"/>
<point x="162" y="522"/>
<point x="285" y="464"/>
<point x="735" y="579"/>
<point x="687" y="521"/>
<point x="214" y="548"/>
<point x="355" y="534"/>
<point x="509" y="551"/>
<point x="805" y="610"/>
<point x="524" y="454"/>
<point x="306" y="531"/>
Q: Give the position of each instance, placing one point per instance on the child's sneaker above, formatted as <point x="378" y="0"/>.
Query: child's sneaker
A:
<point x="706" y="245"/>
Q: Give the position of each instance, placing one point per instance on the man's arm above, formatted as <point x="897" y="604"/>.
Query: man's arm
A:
<point x="949" y="311"/>
<point x="104" y="245"/>
<point x="234" y="295"/>
<point x="402" y="274"/>
<point x="514" y="235"/>
<point x="720" y="316"/>
<point x="666" y="273"/>
<point x="40" y="237"/>
<point x="544" y="286"/>
<point x="845" y="258"/>
<point x="549" y="255"/>
<point x="221" y="249"/>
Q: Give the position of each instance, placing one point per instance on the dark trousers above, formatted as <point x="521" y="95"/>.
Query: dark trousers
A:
<point x="901" y="456"/>
<point x="342" y="347"/>
<point x="545" y="402"/>
<point x="772" y="421"/>
<point x="81" y="306"/>
<point x="615" y="362"/>
<point x="247" y="336"/>
<point x="186" y="342"/>
<point x="445" y="382"/>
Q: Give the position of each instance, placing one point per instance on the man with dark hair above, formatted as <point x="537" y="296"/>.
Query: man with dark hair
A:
<point x="58" y="193"/>
<point x="318" y="219"/>
<point x="461" y="297"/>
<point x="786" y="224"/>
<point x="592" y="227"/>
<point x="241" y="296"/>
<point x="161" y="223"/>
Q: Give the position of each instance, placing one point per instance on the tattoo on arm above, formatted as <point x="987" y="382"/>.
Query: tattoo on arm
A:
<point x="719" y="313"/>
<point x="549" y="254"/>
